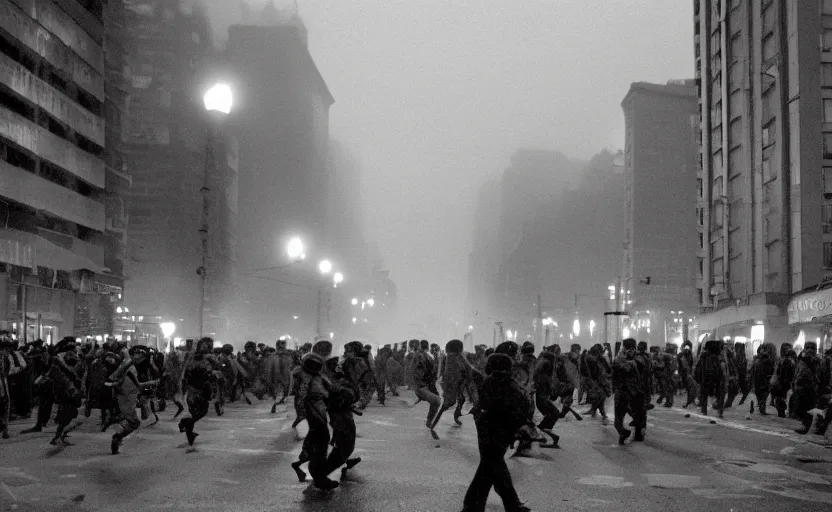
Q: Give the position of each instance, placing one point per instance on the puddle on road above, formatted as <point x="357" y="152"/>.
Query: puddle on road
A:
<point x="614" y="482"/>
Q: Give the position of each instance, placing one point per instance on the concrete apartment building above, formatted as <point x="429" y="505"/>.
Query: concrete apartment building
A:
<point x="62" y="227"/>
<point x="166" y="145"/>
<point x="764" y="73"/>
<point x="660" y="239"/>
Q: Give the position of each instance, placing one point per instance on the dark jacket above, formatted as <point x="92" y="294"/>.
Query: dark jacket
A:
<point x="505" y="407"/>
<point x="628" y="376"/>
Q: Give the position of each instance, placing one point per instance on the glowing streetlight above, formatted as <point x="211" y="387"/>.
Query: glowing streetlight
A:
<point x="576" y="327"/>
<point x="371" y="302"/>
<point x="218" y="98"/>
<point x="338" y="278"/>
<point x="168" y="328"/>
<point x="354" y="319"/>
<point x="592" y="327"/>
<point x="325" y="266"/>
<point x="119" y="310"/>
<point x="470" y="327"/>
<point x="295" y="249"/>
<point x="354" y="301"/>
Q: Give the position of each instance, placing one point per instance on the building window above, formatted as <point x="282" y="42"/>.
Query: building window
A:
<point x="769" y="48"/>
<point x="826" y="7"/>
<point x="699" y="189"/>
<point x="827" y="255"/>
<point x="700" y="212"/>
<point x="769" y="134"/>
<point x="767" y="170"/>
<point x="701" y="240"/>
<point x="826" y="40"/>
<point x="826" y="75"/>
<point x="827" y="110"/>
<point x="827" y="145"/>
<point x="827" y="180"/>
<point x="826" y="217"/>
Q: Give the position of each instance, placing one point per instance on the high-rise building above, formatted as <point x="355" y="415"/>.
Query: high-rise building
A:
<point x="62" y="226"/>
<point x="167" y="148"/>
<point x="285" y="175"/>
<point x="660" y="239"/>
<point x="764" y="74"/>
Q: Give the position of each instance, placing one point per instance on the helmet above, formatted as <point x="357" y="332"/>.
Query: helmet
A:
<point x="312" y="363"/>
<point x="424" y="344"/>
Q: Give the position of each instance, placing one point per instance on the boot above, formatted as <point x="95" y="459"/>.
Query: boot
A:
<point x="115" y="444"/>
<point x="218" y="408"/>
<point x="639" y="437"/>
<point x="179" y="409"/>
<point x="457" y="415"/>
<point x="623" y="434"/>
<point x="191" y="436"/>
<point x="301" y="473"/>
<point x="555" y="439"/>
<point x="37" y="428"/>
<point x="326" y="485"/>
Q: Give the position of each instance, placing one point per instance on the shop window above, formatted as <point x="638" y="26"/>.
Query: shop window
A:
<point x="827" y="255"/>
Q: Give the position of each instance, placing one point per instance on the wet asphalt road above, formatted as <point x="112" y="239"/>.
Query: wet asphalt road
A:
<point x="241" y="463"/>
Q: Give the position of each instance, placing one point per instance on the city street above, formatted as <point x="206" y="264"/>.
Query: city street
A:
<point x="241" y="462"/>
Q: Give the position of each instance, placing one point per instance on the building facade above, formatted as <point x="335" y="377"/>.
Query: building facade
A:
<point x="660" y="238"/>
<point x="282" y="122"/>
<point x="170" y="143"/>
<point x="62" y="234"/>
<point x="764" y="74"/>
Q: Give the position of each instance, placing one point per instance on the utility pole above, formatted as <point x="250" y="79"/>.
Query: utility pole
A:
<point x="540" y="331"/>
<point x="202" y="271"/>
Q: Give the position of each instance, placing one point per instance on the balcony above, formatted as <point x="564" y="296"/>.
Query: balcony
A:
<point x="35" y="192"/>
<point x="26" y="30"/>
<point x="49" y="146"/>
<point x="20" y="80"/>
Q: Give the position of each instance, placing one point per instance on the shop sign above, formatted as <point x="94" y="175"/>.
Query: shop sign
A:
<point x="806" y="307"/>
<point x="105" y="289"/>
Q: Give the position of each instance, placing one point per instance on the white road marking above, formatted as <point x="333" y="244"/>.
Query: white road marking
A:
<point x="615" y="482"/>
<point x="719" y="494"/>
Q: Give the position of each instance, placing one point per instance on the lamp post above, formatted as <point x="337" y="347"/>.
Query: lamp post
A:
<point x="217" y="99"/>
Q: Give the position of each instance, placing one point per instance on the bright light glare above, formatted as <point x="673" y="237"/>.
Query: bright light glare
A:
<point x="338" y="278"/>
<point x="325" y="266"/>
<point x="295" y="249"/>
<point x="168" y="328"/>
<point x="354" y="319"/>
<point x="371" y="302"/>
<point x="591" y="327"/>
<point x="354" y="301"/>
<point x="470" y="327"/>
<point x="576" y="327"/>
<point x="119" y="310"/>
<point x="758" y="333"/>
<point x="218" y="98"/>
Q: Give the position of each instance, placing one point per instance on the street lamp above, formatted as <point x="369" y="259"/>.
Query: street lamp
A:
<point x="338" y="278"/>
<point x="354" y="301"/>
<point x="325" y="266"/>
<point x="295" y="249"/>
<point x="218" y="98"/>
<point x="371" y="302"/>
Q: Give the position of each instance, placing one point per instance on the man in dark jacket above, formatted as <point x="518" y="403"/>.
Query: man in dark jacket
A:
<point x="504" y="412"/>
<point x="805" y="386"/>
<point x="762" y="369"/>
<point x="423" y="379"/>
<point x="684" y="361"/>
<point x="343" y="393"/>
<point x="825" y="392"/>
<point x="629" y="384"/>
<point x="457" y="374"/>
<point x="316" y="443"/>
<point x="741" y="362"/>
<point x="710" y="373"/>
<point x="784" y="378"/>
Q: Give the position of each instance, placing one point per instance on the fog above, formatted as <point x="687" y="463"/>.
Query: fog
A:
<point x="433" y="97"/>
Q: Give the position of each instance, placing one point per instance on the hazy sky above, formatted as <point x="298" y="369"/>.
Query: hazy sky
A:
<point x="433" y="96"/>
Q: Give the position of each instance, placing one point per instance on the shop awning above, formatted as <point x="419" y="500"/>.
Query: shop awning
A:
<point x="30" y="250"/>
<point x="810" y="307"/>
<point x="736" y="316"/>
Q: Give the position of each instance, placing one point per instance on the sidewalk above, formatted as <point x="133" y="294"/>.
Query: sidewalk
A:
<point x="740" y="417"/>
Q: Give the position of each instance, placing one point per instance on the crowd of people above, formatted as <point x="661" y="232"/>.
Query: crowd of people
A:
<point x="506" y="386"/>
